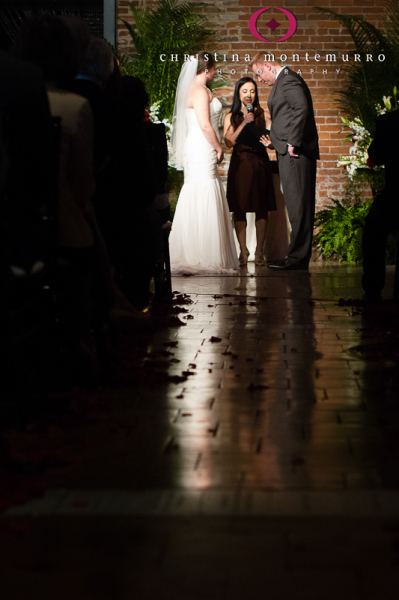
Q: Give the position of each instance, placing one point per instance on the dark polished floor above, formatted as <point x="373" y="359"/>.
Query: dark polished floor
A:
<point x="252" y="453"/>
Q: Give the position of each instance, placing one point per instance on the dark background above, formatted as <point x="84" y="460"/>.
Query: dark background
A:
<point x="13" y="12"/>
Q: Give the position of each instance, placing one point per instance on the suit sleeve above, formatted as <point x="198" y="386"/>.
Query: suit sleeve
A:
<point x="295" y="97"/>
<point x="378" y="147"/>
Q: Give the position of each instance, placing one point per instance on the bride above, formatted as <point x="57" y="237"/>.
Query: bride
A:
<point x="202" y="234"/>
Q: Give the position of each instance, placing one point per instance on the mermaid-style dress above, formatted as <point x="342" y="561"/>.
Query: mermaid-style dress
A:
<point x="202" y="238"/>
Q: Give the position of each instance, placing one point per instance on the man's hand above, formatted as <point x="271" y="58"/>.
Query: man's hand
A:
<point x="291" y="151"/>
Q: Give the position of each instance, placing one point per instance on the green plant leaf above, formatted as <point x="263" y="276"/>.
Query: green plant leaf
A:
<point x="169" y="28"/>
<point x="366" y="82"/>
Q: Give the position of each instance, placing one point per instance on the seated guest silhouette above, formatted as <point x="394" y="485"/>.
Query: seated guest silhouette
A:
<point x="134" y="91"/>
<point x="129" y="188"/>
<point x="90" y="83"/>
<point x="46" y="41"/>
<point x="384" y="213"/>
<point x="28" y="191"/>
<point x="96" y="64"/>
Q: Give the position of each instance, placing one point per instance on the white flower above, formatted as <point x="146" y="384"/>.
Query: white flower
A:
<point x="387" y="102"/>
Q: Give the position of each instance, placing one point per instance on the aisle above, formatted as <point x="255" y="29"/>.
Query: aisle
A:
<point x="248" y="461"/>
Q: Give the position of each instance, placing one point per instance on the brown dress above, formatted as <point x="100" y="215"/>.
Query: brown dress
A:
<point x="250" y="180"/>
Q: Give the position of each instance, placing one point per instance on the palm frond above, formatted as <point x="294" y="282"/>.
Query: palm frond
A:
<point x="218" y="83"/>
<point x="167" y="28"/>
<point x="366" y="82"/>
<point x="392" y="26"/>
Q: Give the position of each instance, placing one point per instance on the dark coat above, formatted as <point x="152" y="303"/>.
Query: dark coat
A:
<point x="158" y="148"/>
<point x="102" y="110"/>
<point x="30" y="187"/>
<point x="27" y="130"/>
<point x="128" y="187"/>
<point x="384" y="149"/>
<point x="291" y="110"/>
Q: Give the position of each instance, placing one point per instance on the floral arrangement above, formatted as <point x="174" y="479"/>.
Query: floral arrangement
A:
<point x="388" y="105"/>
<point x="358" y="157"/>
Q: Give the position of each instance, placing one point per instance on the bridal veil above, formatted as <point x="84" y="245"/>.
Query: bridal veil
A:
<point x="179" y="122"/>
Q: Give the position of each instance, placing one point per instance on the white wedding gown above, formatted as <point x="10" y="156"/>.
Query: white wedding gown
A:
<point x="202" y="239"/>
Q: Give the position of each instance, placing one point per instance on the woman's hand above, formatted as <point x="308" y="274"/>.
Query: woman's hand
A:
<point x="265" y="140"/>
<point x="219" y="155"/>
<point x="249" y="117"/>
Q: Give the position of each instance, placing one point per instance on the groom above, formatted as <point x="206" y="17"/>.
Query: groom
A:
<point x="294" y="136"/>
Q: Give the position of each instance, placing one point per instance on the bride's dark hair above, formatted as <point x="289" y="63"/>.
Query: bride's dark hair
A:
<point x="206" y="60"/>
<point x="236" y="106"/>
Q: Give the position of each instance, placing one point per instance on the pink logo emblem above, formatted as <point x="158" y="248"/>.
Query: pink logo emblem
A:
<point x="272" y="24"/>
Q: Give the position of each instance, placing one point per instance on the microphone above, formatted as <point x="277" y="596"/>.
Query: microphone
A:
<point x="250" y="108"/>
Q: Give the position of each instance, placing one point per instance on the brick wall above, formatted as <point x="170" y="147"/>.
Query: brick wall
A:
<point x="315" y="34"/>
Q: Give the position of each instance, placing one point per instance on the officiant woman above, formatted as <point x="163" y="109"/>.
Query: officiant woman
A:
<point x="250" y="186"/>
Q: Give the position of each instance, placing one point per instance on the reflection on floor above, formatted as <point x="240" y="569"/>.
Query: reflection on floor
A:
<point x="268" y="468"/>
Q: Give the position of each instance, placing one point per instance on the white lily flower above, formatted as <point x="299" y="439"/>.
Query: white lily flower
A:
<point x="387" y="101"/>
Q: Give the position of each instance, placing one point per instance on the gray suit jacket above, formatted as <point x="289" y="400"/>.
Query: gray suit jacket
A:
<point x="291" y="110"/>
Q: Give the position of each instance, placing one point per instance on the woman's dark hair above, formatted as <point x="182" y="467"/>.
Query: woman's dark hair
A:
<point x="44" y="40"/>
<point x="236" y="106"/>
<point x="134" y="91"/>
<point x="99" y="62"/>
<point x="206" y="60"/>
<point x="81" y="34"/>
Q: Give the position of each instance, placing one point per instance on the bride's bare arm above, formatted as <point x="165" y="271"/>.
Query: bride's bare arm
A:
<point x="199" y="99"/>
